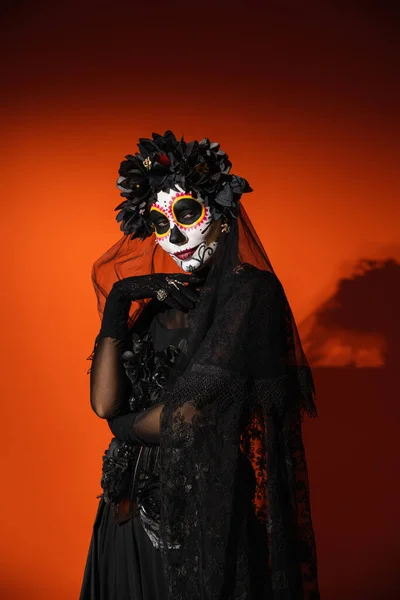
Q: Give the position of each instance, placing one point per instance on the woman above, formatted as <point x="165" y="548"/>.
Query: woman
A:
<point x="201" y="376"/>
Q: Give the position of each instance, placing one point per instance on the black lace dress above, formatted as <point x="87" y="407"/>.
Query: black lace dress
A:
<point x="124" y="561"/>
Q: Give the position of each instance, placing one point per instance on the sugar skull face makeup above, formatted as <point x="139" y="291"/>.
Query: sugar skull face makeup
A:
<point x="184" y="228"/>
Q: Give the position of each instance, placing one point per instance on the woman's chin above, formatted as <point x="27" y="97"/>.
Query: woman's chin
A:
<point x="188" y="265"/>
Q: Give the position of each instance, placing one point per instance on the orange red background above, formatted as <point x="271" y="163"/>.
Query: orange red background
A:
<point x="304" y="100"/>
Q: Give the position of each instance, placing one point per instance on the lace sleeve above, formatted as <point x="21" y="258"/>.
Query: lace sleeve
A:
<point x="142" y="427"/>
<point x="109" y="385"/>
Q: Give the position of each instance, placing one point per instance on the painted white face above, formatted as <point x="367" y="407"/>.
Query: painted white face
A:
<point x="183" y="228"/>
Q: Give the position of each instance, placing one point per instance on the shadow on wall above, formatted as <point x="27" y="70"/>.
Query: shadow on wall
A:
<point x="359" y="326"/>
<point x="352" y="345"/>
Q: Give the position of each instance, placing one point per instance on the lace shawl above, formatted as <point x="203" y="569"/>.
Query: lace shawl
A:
<point x="239" y="397"/>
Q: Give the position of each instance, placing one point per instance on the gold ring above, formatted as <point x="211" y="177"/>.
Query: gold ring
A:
<point x="161" y="294"/>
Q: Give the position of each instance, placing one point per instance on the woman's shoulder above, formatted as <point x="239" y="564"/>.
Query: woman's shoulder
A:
<point x="257" y="283"/>
<point x="250" y="272"/>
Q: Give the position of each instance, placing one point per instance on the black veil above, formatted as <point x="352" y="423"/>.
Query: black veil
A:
<point x="231" y="427"/>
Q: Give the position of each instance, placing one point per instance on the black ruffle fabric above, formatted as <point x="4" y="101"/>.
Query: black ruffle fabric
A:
<point x="148" y="370"/>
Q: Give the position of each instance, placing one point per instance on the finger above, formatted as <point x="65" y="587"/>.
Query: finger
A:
<point x="172" y="303"/>
<point x="190" y="294"/>
<point x="183" y="301"/>
<point x="187" y="277"/>
<point x="195" y="280"/>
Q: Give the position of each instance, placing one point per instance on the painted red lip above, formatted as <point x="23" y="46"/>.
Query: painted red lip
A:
<point x="184" y="254"/>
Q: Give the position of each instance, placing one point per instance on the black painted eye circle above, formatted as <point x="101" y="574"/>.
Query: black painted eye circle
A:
<point x="160" y="222"/>
<point x="187" y="210"/>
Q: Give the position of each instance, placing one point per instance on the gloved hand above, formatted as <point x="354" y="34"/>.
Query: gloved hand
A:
<point x="166" y="287"/>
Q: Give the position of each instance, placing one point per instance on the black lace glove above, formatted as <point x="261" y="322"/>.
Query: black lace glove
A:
<point x="169" y="288"/>
<point x="109" y="386"/>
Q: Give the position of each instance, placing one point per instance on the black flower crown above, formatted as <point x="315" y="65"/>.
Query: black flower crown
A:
<point x="162" y="163"/>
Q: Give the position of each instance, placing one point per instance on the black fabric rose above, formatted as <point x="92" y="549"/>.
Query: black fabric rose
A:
<point x="147" y="369"/>
<point x="115" y="469"/>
